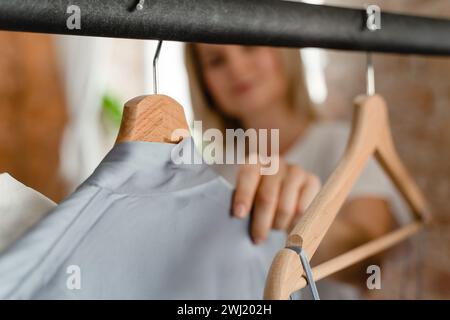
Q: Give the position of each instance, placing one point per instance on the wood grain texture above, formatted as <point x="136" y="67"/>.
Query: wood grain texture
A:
<point x="153" y="118"/>
<point x="370" y="135"/>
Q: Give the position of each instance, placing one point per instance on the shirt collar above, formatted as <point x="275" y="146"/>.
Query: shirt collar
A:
<point x="150" y="167"/>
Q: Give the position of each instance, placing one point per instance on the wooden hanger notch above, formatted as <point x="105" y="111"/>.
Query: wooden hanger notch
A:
<point x="152" y="118"/>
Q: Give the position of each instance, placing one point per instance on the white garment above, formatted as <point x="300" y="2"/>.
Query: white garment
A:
<point x="20" y="208"/>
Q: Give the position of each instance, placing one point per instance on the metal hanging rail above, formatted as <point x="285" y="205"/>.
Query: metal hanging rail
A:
<point x="247" y="22"/>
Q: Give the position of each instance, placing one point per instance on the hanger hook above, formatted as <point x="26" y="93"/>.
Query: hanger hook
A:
<point x="155" y="67"/>
<point x="373" y="23"/>
<point x="370" y="76"/>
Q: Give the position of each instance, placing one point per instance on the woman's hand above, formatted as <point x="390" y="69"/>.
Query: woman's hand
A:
<point x="278" y="201"/>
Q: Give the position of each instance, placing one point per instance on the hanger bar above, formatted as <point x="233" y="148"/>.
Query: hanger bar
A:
<point x="351" y="257"/>
<point x="250" y="22"/>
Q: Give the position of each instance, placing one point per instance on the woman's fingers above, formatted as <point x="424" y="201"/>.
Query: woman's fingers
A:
<point x="310" y="189"/>
<point x="247" y="184"/>
<point x="266" y="201"/>
<point x="278" y="200"/>
<point x="288" y="201"/>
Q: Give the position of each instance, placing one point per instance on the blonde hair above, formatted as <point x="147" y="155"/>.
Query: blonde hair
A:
<point x="211" y="116"/>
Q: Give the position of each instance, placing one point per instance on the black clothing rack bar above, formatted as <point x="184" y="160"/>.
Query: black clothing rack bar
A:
<point x="246" y="22"/>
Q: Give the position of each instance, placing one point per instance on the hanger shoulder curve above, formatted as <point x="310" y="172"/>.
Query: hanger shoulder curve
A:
<point x="388" y="158"/>
<point x="370" y="135"/>
<point x="153" y="118"/>
<point x="368" y="119"/>
<point x="386" y="154"/>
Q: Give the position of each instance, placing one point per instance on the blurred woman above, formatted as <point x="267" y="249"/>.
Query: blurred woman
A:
<point x="251" y="87"/>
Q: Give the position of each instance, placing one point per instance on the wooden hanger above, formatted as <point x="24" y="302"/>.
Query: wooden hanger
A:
<point x="153" y="118"/>
<point x="370" y="135"/>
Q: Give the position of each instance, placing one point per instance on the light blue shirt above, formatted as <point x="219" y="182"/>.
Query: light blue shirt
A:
<point x="141" y="227"/>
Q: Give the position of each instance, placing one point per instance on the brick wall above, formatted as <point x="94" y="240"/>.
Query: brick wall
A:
<point x="32" y="112"/>
<point x="417" y="90"/>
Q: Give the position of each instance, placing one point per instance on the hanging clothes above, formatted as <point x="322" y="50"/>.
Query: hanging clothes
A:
<point x="142" y="227"/>
<point x="20" y="209"/>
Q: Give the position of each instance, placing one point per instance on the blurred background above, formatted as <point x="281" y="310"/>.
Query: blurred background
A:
<point x="61" y="99"/>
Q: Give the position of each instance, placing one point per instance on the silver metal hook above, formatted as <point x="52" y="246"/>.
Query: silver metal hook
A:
<point x="308" y="271"/>
<point x="373" y="23"/>
<point x="140" y="5"/>
<point x="155" y="67"/>
<point x="370" y="76"/>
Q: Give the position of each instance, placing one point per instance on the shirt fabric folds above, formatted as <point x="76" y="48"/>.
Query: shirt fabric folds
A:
<point x="141" y="227"/>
